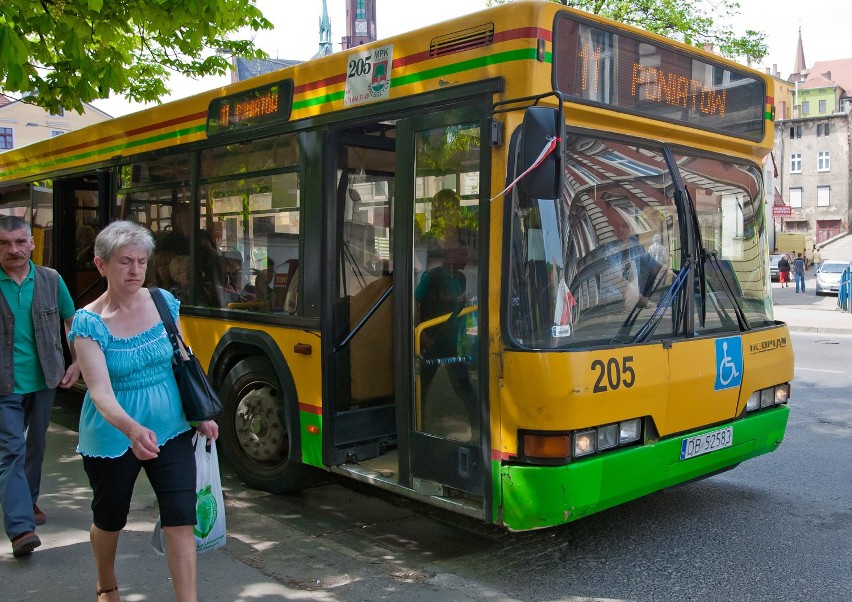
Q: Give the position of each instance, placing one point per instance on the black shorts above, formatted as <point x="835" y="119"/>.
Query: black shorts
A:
<point x="171" y="474"/>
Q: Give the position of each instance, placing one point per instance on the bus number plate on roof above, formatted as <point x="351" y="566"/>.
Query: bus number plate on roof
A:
<point x="706" y="443"/>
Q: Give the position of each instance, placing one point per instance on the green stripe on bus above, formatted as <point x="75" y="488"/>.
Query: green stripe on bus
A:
<point x="523" y="54"/>
<point x="318" y="100"/>
<point x="110" y="150"/>
<point x="311" y="443"/>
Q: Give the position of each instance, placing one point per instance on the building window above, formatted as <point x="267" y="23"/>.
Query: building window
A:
<point x="806" y="107"/>
<point x="823" y="196"/>
<point x="823" y="161"/>
<point x="796" y="163"/>
<point x="795" y="197"/>
<point x="825" y="129"/>
<point x="795" y="132"/>
<point x="6" y="141"/>
<point x="55" y="133"/>
<point x="60" y="113"/>
<point x="822" y="106"/>
<point x="360" y="9"/>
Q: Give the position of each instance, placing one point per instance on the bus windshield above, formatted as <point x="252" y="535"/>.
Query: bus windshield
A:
<point x="595" y="266"/>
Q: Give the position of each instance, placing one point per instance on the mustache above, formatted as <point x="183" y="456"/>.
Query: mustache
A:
<point x="16" y="256"/>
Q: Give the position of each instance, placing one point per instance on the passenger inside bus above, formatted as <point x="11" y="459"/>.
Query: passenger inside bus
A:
<point x="632" y="271"/>
<point x="162" y="261"/>
<point x="208" y="263"/>
<point x="442" y="291"/>
<point x="179" y="271"/>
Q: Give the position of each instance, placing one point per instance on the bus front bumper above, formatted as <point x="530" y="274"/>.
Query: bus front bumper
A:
<point x="543" y="496"/>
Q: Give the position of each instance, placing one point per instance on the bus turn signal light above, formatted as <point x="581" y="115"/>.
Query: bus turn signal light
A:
<point x="556" y="446"/>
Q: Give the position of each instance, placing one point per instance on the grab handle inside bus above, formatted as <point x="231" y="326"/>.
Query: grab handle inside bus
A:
<point x="541" y="124"/>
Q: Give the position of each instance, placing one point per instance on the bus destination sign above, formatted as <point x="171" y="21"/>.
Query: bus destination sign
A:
<point x="641" y="76"/>
<point x="251" y="108"/>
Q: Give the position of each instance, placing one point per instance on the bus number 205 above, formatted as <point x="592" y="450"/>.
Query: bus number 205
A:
<point x="614" y="374"/>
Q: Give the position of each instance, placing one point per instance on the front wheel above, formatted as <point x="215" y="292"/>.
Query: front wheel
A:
<point x="253" y="429"/>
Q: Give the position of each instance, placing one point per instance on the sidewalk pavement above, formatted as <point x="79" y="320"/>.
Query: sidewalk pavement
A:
<point x="63" y="567"/>
<point x="325" y="544"/>
<point x="806" y="312"/>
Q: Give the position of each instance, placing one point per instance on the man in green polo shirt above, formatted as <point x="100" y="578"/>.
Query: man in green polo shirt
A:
<point x="33" y="301"/>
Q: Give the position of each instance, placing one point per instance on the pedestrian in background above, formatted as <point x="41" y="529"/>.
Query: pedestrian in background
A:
<point x="784" y="271"/>
<point x="34" y="302"/>
<point x="817" y="259"/>
<point x="799" y="272"/>
<point x="132" y="417"/>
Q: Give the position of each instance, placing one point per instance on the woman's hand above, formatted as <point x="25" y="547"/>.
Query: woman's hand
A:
<point x="209" y="429"/>
<point x="144" y="443"/>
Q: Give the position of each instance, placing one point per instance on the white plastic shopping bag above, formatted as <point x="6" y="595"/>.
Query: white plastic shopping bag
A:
<point x="209" y="503"/>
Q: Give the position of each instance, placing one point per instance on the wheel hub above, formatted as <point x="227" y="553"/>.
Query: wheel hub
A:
<point x="259" y="430"/>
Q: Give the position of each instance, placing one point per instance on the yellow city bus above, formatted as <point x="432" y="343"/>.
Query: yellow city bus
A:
<point x="513" y="265"/>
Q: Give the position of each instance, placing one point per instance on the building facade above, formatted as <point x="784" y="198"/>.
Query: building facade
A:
<point x="811" y="152"/>
<point x="22" y="123"/>
<point x="814" y="172"/>
<point x="360" y="23"/>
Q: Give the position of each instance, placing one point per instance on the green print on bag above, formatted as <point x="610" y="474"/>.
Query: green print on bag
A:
<point x="206" y="511"/>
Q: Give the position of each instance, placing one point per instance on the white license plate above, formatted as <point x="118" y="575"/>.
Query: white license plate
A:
<point x="706" y="443"/>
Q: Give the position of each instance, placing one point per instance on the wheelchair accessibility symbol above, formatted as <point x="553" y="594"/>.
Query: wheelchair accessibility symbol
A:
<point x="729" y="363"/>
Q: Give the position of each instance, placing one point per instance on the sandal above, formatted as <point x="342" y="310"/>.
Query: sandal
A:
<point x="108" y="590"/>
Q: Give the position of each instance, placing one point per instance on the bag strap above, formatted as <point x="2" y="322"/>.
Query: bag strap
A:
<point x="168" y="321"/>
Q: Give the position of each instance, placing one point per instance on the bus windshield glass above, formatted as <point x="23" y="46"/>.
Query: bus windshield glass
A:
<point x="595" y="266"/>
<point x="728" y="201"/>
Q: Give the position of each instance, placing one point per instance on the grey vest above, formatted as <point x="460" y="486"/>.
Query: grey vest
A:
<point x="47" y="328"/>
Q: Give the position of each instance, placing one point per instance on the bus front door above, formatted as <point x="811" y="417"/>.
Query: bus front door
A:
<point x="446" y="446"/>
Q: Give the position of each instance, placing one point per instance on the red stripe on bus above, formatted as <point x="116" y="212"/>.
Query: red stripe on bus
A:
<point x="320" y="83"/>
<point x="497" y="455"/>
<point x="105" y="139"/>
<point x="305" y="407"/>
<point x="523" y="32"/>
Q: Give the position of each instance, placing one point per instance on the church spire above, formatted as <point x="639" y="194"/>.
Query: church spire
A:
<point x="799" y="66"/>
<point x="324" y="33"/>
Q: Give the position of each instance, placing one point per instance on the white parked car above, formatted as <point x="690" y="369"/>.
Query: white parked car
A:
<point x="828" y="276"/>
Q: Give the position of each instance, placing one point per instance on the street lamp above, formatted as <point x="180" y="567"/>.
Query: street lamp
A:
<point x="54" y="132"/>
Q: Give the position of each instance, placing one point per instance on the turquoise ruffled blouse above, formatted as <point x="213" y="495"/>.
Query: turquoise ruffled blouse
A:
<point x="140" y="370"/>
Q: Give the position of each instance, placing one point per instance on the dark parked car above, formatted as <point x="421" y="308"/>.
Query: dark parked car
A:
<point x="773" y="266"/>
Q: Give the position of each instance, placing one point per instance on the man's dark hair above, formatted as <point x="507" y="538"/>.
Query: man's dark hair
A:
<point x="10" y="223"/>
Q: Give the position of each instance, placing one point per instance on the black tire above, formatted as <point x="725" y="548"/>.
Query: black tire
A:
<point x="253" y="431"/>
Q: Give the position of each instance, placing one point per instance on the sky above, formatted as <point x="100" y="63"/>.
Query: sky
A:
<point x="825" y="31"/>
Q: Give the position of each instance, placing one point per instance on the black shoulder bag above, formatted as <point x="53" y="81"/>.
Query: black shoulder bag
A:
<point x="199" y="400"/>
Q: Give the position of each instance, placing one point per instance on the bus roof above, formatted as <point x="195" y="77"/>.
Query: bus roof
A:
<point x="512" y="41"/>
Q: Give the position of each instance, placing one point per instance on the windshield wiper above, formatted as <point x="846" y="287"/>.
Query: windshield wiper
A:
<point x="729" y="290"/>
<point x="651" y="325"/>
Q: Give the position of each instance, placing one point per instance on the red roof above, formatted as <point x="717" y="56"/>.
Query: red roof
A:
<point x="817" y="82"/>
<point x="840" y="70"/>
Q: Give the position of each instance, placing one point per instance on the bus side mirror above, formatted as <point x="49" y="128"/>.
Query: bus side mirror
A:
<point x="541" y="125"/>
